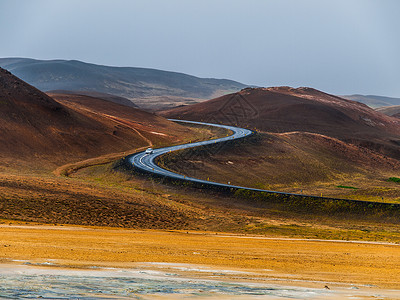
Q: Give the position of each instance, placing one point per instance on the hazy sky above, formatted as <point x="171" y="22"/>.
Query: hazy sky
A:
<point x="338" y="46"/>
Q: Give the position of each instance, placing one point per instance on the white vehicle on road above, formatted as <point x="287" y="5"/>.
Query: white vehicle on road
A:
<point x="149" y="151"/>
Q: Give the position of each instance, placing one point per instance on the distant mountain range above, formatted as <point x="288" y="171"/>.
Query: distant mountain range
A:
<point x="373" y="101"/>
<point x="147" y="88"/>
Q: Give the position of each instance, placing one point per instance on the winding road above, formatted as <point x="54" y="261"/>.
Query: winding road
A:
<point x="146" y="162"/>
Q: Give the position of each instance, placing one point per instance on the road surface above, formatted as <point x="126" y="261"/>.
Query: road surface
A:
<point x="146" y="162"/>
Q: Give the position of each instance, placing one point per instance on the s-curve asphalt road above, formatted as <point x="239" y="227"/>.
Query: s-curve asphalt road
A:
<point x="146" y="161"/>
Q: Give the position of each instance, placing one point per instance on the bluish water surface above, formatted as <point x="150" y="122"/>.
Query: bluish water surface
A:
<point x="32" y="281"/>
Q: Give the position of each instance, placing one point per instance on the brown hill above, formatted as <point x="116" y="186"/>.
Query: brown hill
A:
<point x="149" y="126"/>
<point x="34" y="128"/>
<point x="97" y="95"/>
<point x="285" y="109"/>
<point x="392" y="111"/>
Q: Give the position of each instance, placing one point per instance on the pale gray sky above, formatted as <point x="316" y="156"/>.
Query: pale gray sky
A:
<point x="338" y="46"/>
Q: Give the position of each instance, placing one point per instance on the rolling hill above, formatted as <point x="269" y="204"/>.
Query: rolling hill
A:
<point x="148" y="88"/>
<point x="373" y="101"/>
<point x="307" y="142"/>
<point x="282" y="109"/>
<point x="392" y="111"/>
<point x="97" y="95"/>
<point x="36" y="129"/>
<point x="285" y="109"/>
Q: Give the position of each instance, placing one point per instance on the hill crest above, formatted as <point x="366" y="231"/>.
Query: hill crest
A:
<point x="374" y="101"/>
<point x="141" y="85"/>
<point x="286" y="109"/>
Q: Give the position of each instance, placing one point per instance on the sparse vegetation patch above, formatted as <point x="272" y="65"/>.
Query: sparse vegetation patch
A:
<point x="394" y="179"/>
<point x="347" y="187"/>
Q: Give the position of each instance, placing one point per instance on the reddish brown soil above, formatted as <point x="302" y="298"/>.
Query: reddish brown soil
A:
<point x="97" y="95"/>
<point x="35" y="128"/>
<point x="151" y="127"/>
